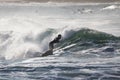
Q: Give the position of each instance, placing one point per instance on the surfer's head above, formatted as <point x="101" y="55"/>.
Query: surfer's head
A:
<point x="59" y="36"/>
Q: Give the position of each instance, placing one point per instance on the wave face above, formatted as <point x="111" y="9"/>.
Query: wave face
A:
<point x="71" y="56"/>
<point x="91" y="41"/>
<point x="89" y="48"/>
<point x="28" y="45"/>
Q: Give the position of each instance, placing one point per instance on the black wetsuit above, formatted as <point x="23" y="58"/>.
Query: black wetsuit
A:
<point x="51" y="44"/>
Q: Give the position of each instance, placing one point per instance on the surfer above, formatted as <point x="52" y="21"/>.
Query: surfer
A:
<point x="56" y="40"/>
<point x="51" y="45"/>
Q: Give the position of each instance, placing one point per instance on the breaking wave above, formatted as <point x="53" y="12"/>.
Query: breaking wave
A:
<point x="111" y="7"/>
<point x="15" y="45"/>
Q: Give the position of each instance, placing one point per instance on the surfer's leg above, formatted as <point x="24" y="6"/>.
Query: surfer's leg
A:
<point x="51" y="46"/>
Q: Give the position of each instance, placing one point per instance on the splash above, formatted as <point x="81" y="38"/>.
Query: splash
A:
<point x="111" y="7"/>
<point x="18" y="45"/>
<point x="15" y="45"/>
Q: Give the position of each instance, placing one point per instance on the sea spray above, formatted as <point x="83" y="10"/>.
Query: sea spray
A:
<point x="25" y="45"/>
<point x="20" y="45"/>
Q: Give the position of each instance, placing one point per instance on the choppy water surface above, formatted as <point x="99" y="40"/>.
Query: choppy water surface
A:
<point x="89" y="49"/>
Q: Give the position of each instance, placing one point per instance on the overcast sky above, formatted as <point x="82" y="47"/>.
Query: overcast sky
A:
<point x="61" y="1"/>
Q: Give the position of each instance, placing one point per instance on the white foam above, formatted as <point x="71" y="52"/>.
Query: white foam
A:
<point x="111" y="7"/>
<point x="30" y="20"/>
<point x="21" y="45"/>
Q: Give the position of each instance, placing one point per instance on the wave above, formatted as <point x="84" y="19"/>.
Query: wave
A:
<point x="90" y="43"/>
<point x="15" y="45"/>
<point x="111" y="7"/>
<point x="89" y="35"/>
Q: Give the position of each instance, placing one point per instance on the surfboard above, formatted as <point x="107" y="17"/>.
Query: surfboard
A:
<point x="49" y="52"/>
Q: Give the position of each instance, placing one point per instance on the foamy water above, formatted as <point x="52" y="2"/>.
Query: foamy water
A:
<point x="82" y="54"/>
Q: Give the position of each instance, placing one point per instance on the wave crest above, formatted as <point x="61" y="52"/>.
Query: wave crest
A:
<point x="15" y="45"/>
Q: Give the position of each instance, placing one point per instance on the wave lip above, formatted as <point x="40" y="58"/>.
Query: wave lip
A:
<point x="111" y="7"/>
<point x="86" y="34"/>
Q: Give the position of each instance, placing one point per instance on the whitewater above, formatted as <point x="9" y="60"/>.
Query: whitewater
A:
<point x="89" y="48"/>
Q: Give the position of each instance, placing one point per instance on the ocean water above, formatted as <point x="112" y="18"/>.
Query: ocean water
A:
<point x="89" y="49"/>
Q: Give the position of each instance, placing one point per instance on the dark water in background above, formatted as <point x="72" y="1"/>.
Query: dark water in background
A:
<point x="83" y="54"/>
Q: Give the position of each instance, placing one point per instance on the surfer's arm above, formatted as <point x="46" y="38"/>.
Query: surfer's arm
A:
<point x="56" y="40"/>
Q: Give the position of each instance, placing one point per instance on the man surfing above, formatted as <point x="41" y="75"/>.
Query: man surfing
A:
<point x="51" y="46"/>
